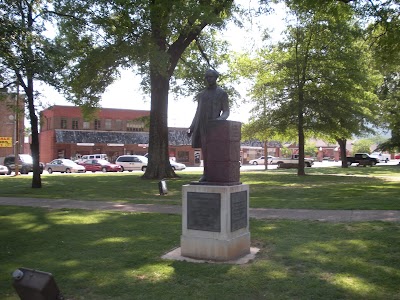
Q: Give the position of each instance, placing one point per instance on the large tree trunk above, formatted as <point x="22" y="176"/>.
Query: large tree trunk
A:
<point x="300" y="170"/>
<point x="343" y="154"/>
<point x="36" y="179"/>
<point x="29" y="91"/>
<point x="159" y="166"/>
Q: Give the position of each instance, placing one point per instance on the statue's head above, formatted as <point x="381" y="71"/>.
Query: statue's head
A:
<point x="211" y="72"/>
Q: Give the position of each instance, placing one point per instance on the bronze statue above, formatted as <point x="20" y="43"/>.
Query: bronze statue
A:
<point x="212" y="104"/>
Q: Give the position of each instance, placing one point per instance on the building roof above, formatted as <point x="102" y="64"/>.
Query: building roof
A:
<point x="104" y="113"/>
<point x="177" y="137"/>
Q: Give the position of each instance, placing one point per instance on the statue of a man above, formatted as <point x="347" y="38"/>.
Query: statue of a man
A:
<point x="212" y="104"/>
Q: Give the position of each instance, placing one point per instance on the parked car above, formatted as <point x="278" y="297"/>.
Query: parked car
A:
<point x="95" y="165"/>
<point x="132" y="162"/>
<point x="362" y="159"/>
<point x="3" y="170"/>
<point x="260" y="160"/>
<point x="25" y="163"/>
<point x="177" y="166"/>
<point x="294" y="159"/>
<point x="64" y="166"/>
<point x="382" y="157"/>
<point x="397" y="156"/>
<point x="92" y="156"/>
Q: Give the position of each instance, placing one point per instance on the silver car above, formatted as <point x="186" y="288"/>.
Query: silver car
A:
<point x="64" y="166"/>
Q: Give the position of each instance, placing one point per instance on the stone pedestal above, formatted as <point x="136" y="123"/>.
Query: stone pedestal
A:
<point x="222" y="164"/>
<point x="215" y="222"/>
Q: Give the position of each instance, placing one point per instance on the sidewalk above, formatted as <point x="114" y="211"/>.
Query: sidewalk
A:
<point x="257" y="213"/>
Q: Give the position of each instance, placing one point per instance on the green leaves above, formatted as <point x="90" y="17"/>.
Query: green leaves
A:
<point x="321" y="72"/>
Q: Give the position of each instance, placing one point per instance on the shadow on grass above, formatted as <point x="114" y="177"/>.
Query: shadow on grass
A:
<point x="323" y="188"/>
<point x="287" y="190"/>
<point x="109" y="255"/>
<point x="119" y="187"/>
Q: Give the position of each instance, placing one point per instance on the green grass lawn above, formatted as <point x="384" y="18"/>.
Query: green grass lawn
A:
<point x="114" y="255"/>
<point x="323" y="188"/>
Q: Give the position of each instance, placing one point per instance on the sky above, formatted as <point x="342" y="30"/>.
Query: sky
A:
<point x="125" y="92"/>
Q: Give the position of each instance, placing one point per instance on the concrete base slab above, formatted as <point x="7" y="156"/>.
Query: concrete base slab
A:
<point x="215" y="249"/>
<point x="175" y="254"/>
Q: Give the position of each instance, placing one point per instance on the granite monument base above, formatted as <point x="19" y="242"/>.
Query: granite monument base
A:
<point x="215" y="222"/>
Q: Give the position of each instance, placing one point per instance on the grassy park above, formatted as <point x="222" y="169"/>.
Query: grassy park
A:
<point x="323" y="188"/>
<point x="116" y="255"/>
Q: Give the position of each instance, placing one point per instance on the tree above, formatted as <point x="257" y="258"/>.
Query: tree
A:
<point x="260" y="125"/>
<point x="383" y="37"/>
<point x="152" y="35"/>
<point x="362" y="146"/>
<point x="310" y="148"/>
<point x="316" y="81"/>
<point x="386" y="52"/>
<point x="256" y="129"/>
<point x="24" y="58"/>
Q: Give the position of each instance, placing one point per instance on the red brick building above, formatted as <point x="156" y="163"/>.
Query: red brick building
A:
<point x="64" y="133"/>
<point x="8" y="125"/>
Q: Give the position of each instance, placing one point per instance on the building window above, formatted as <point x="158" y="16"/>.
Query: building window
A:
<point x="134" y="125"/>
<point x="97" y="124"/>
<point x="75" y="124"/>
<point x="118" y="125"/>
<point x="61" y="153"/>
<point x="107" y="124"/>
<point x="63" y="123"/>
<point x="183" y="156"/>
<point x="86" y="125"/>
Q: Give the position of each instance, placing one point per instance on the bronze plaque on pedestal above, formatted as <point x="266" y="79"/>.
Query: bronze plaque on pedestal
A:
<point x="204" y="211"/>
<point x="238" y="210"/>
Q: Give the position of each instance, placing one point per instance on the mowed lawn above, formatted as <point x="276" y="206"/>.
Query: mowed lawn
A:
<point x="322" y="188"/>
<point x="117" y="255"/>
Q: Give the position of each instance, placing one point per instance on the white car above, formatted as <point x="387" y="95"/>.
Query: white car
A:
<point x="3" y="170"/>
<point x="260" y="160"/>
<point x="132" y="162"/>
<point x="177" y="166"/>
<point x="64" y="166"/>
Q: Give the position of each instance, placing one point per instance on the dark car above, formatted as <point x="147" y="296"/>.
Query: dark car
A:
<point x="25" y="164"/>
<point x="103" y="165"/>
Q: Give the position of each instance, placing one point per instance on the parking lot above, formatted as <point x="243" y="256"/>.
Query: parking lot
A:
<point x="248" y="167"/>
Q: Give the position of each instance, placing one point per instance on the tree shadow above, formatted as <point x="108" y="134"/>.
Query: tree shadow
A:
<point x="113" y="255"/>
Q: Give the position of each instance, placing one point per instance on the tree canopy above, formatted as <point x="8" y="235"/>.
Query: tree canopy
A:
<point x="382" y="19"/>
<point x="154" y="36"/>
<point x="25" y="53"/>
<point x="318" y="80"/>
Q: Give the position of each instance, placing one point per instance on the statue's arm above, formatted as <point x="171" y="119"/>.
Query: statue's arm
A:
<point x="224" y="108"/>
<point x="195" y="118"/>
